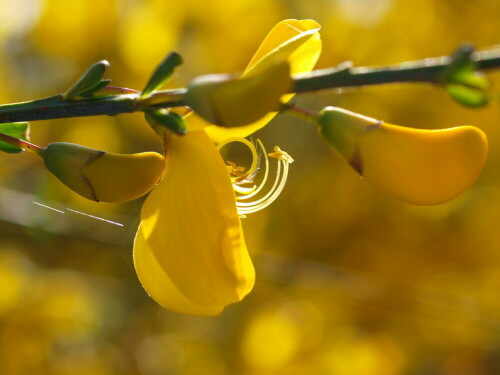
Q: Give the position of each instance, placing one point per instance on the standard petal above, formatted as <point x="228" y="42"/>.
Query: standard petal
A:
<point x="289" y="33"/>
<point x="191" y="225"/>
<point x="159" y="285"/>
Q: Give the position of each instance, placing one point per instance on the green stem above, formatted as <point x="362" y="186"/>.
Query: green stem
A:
<point x="57" y="107"/>
<point x="427" y="70"/>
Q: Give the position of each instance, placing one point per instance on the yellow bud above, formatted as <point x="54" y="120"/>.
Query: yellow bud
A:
<point x="423" y="167"/>
<point x="226" y="101"/>
<point x="103" y="176"/>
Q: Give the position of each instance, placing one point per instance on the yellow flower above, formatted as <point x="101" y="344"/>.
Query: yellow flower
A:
<point x="295" y="41"/>
<point x="189" y="251"/>
<point x="228" y="101"/>
<point x="423" y="167"/>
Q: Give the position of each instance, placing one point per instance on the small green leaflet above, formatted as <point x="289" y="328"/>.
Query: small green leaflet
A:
<point x="88" y="81"/>
<point x="162" y="73"/>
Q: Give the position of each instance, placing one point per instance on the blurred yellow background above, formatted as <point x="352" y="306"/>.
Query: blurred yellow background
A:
<point x="349" y="280"/>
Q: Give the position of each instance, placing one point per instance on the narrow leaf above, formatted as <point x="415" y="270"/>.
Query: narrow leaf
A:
<point x="90" y="79"/>
<point x="162" y="73"/>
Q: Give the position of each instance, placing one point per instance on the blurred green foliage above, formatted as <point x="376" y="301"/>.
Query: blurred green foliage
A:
<point x="349" y="280"/>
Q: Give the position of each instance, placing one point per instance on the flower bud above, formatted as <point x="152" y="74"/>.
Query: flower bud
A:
<point x="423" y="167"/>
<point x="103" y="176"/>
<point x="226" y="101"/>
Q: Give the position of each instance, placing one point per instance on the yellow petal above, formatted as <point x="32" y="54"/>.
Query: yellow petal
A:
<point x="191" y="226"/>
<point x="159" y="285"/>
<point x="295" y="41"/>
<point x="121" y="177"/>
<point x="423" y="167"/>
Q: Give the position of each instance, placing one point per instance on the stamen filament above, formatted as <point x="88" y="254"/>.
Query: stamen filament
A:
<point x="245" y="204"/>
<point x="266" y="174"/>
<point x="261" y="205"/>
<point x="239" y="177"/>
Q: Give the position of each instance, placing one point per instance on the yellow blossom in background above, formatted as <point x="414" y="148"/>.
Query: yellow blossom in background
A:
<point x="189" y="251"/>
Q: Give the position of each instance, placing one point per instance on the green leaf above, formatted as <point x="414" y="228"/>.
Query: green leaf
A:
<point x="166" y="119"/>
<point x="468" y="96"/>
<point x="89" y="80"/>
<point x="19" y="130"/>
<point x="162" y="73"/>
<point x="463" y="82"/>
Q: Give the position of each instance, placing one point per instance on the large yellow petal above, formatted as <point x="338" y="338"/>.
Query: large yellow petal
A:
<point x="159" y="285"/>
<point x="296" y="41"/>
<point x="190" y="224"/>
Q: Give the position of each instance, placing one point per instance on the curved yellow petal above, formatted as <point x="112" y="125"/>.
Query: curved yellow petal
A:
<point x="191" y="226"/>
<point x="295" y="41"/>
<point x="423" y="167"/>
<point x="159" y="285"/>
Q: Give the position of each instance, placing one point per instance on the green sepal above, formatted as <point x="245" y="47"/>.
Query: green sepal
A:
<point x="163" y="118"/>
<point x="162" y="73"/>
<point x="66" y="161"/>
<point x="90" y="93"/>
<point x="19" y="130"/>
<point x="342" y="129"/>
<point x="90" y="79"/>
<point x="462" y="81"/>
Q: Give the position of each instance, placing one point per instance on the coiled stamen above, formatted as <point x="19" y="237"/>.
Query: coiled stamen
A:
<point x="240" y="176"/>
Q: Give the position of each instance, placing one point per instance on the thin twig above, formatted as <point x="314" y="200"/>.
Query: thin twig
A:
<point x="345" y="75"/>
